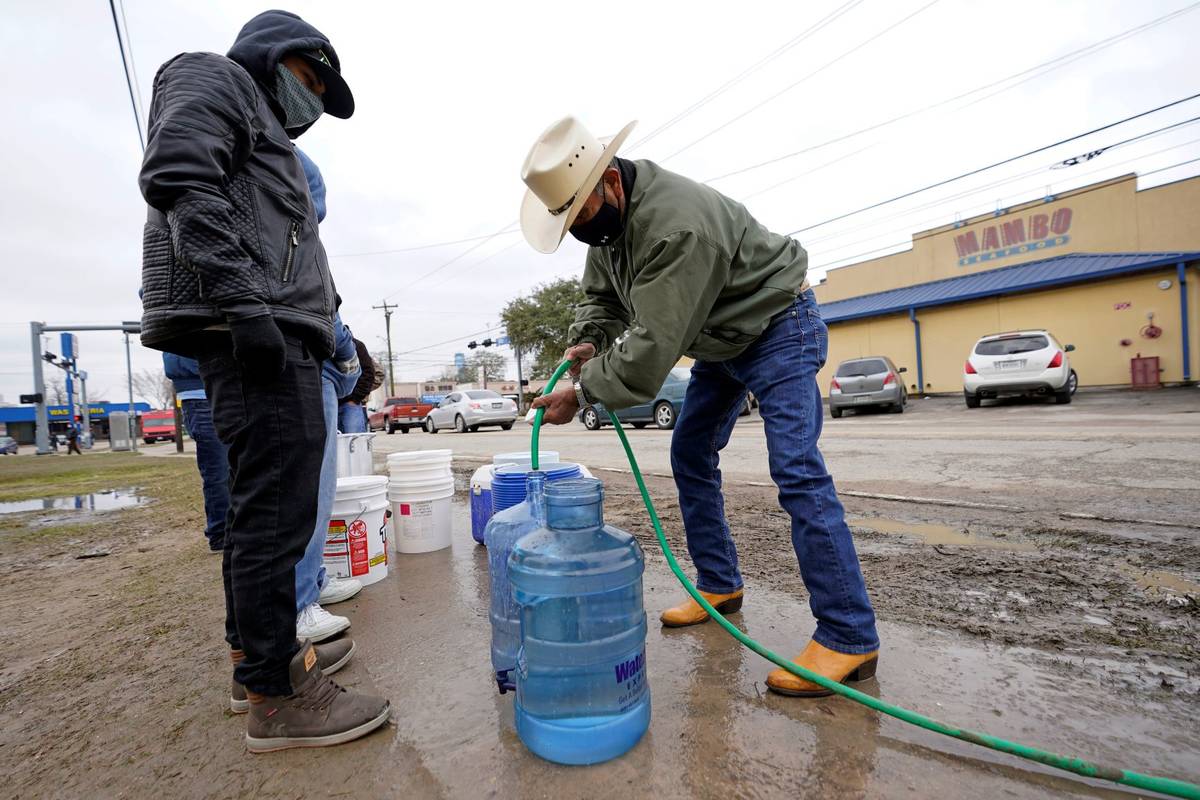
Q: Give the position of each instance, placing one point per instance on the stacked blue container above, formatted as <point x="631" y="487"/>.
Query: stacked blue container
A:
<point x="508" y="482"/>
<point x="582" y="692"/>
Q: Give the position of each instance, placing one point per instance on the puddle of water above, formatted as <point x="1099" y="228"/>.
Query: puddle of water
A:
<point x="96" y="501"/>
<point x="937" y="534"/>
<point x="1157" y="579"/>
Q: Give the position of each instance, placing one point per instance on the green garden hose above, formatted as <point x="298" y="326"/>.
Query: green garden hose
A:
<point x="1079" y="766"/>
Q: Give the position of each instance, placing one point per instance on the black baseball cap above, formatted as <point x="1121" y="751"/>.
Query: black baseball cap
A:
<point x="338" y="99"/>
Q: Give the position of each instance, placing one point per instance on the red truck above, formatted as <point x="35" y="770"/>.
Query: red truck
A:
<point x="158" y="426"/>
<point x="399" y="414"/>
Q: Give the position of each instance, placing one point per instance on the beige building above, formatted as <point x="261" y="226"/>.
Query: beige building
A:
<point x="1107" y="268"/>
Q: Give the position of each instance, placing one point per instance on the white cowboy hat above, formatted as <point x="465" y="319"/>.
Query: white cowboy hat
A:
<point x="563" y="165"/>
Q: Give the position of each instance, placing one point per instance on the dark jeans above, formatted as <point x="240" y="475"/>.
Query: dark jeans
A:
<point x="275" y="432"/>
<point x="781" y="369"/>
<point x="212" y="459"/>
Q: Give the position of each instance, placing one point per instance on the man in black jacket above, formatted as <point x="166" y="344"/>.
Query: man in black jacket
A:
<point x="235" y="276"/>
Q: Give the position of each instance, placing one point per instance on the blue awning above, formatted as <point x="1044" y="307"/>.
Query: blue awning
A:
<point x="1049" y="272"/>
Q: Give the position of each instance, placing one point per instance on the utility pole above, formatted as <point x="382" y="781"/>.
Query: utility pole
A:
<point x="85" y="412"/>
<point x="133" y="432"/>
<point x="520" y="381"/>
<point x="42" y="419"/>
<point x="387" y="321"/>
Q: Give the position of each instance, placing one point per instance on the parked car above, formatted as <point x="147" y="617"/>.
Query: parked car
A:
<point x="158" y="426"/>
<point x="1019" y="363"/>
<point x="662" y="411"/>
<point x="399" y="414"/>
<point x="471" y="410"/>
<point x="871" y="382"/>
<point x="8" y="446"/>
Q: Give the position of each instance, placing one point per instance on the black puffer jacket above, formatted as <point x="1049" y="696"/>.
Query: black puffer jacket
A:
<point x="231" y="231"/>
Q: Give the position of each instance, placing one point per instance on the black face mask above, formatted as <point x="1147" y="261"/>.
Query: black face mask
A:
<point x="602" y="228"/>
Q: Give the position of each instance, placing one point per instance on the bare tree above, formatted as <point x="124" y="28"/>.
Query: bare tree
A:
<point x="56" y="390"/>
<point x="153" y="386"/>
<point x="486" y="365"/>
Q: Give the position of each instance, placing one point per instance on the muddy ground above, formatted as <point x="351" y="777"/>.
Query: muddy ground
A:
<point x="1077" y="637"/>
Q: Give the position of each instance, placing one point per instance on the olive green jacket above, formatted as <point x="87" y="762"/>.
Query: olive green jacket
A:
<point x="694" y="275"/>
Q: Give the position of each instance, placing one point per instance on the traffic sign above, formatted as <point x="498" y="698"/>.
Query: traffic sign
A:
<point x="502" y="340"/>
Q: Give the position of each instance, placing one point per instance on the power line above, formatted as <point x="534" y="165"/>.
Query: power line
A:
<point x="1046" y="66"/>
<point x="445" y="264"/>
<point x="1002" y="162"/>
<point x="137" y="118"/>
<point x="137" y="83"/>
<point x="774" y="54"/>
<point x="430" y="246"/>
<point x="1026" y="74"/>
<point x="449" y="341"/>
<point x="908" y="242"/>
<point x="794" y="84"/>
<point x="808" y="242"/>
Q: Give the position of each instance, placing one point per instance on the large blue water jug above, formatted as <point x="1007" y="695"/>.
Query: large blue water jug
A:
<point x="582" y="693"/>
<point x="502" y="532"/>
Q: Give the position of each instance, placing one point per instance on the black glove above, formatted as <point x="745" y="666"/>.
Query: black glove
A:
<point x="258" y="345"/>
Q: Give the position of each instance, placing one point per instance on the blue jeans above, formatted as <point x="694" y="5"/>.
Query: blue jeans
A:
<point x="781" y="369"/>
<point x="212" y="459"/>
<point x="352" y="418"/>
<point x="310" y="570"/>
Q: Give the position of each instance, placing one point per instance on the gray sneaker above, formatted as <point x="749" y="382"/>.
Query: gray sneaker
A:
<point x="318" y="713"/>
<point x="331" y="656"/>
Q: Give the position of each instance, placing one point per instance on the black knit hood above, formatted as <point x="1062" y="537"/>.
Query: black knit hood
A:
<point x="267" y="38"/>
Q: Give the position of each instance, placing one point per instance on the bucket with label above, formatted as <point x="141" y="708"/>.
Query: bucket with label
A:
<point x="421" y="513"/>
<point x="356" y="543"/>
<point x="481" y="486"/>
<point x="355" y="454"/>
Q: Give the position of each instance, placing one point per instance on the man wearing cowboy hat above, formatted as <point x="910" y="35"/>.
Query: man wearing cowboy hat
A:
<point x="676" y="268"/>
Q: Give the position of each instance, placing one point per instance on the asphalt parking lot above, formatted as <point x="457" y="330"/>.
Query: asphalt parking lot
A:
<point x="1129" y="454"/>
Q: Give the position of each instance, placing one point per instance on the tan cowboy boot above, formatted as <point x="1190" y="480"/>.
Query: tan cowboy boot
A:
<point x="841" y="667"/>
<point x="690" y="612"/>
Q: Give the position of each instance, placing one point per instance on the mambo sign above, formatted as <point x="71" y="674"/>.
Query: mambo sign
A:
<point x="1021" y="235"/>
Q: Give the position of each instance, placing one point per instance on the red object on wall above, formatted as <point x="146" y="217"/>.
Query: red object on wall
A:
<point x="1145" y="372"/>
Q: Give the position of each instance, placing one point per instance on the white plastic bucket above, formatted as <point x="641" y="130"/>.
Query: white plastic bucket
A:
<point x="421" y="514"/>
<point x="355" y="452"/>
<point x="419" y="465"/>
<point x="356" y="542"/>
<point x="524" y="457"/>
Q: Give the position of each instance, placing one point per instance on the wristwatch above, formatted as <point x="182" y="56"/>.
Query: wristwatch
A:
<point x="580" y="397"/>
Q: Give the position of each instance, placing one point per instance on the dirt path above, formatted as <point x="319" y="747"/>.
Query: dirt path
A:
<point x="114" y="674"/>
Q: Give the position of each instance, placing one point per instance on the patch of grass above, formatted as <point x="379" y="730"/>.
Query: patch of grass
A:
<point x="28" y="477"/>
<point x="173" y="484"/>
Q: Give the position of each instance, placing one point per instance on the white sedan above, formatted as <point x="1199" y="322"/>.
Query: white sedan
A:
<point x="471" y="410"/>
<point x="1018" y="363"/>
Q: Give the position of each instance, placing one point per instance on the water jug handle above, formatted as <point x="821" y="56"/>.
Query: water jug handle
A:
<point x="352" y="440"/>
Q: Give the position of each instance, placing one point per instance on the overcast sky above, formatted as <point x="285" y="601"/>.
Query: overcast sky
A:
<point x="451" y="95"/>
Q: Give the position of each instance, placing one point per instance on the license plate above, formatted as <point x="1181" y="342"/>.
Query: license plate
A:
<point x="1015" y="364"/>
<point x="863" y="399"/>
<point x="497" y="405"/>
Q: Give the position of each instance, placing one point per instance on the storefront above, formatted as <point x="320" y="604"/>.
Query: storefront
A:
<point x="1109" y="269"/>
<point x="18" y="421"/>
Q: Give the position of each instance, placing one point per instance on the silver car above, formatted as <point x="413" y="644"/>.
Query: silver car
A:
<point x="471" y="410"/>
<point x="871" y="382"/>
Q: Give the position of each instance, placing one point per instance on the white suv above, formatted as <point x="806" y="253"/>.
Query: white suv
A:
<point x="1018" y="363"/>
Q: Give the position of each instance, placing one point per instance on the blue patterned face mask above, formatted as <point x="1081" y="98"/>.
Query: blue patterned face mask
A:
<point x="301" y="106"/>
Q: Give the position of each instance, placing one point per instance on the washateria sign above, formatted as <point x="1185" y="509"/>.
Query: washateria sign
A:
<point x="1021" y="235"/>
